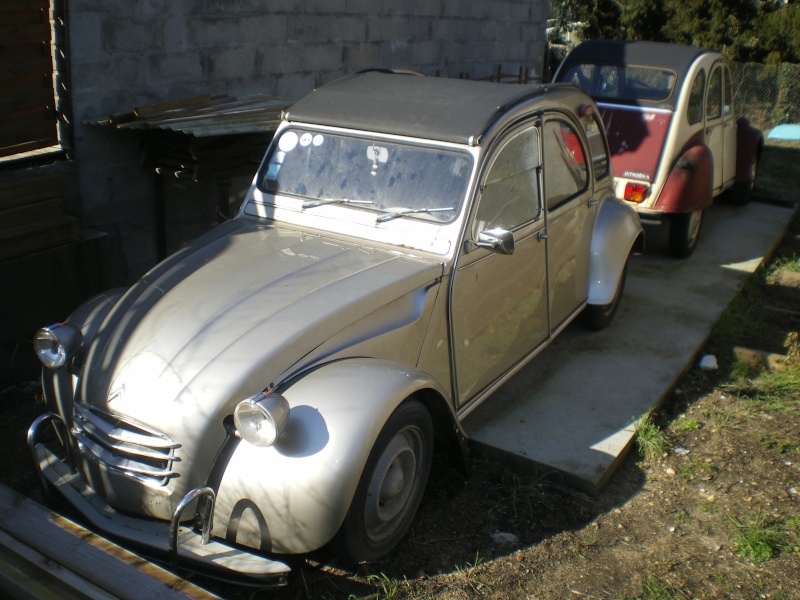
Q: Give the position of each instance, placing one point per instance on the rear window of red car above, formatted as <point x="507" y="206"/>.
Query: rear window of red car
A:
<point x="621" y="82"/>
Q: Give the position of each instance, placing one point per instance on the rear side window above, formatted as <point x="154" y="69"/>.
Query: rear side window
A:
<point x="714" y="96"/>
<point x="694" y="111"/>
<point x="597" y="146"/>
<point x="565" y="169"/>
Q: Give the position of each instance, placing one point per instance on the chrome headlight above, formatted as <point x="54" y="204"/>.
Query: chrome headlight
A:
<point x="57" y="344"/>
<point x="260" y="420"/>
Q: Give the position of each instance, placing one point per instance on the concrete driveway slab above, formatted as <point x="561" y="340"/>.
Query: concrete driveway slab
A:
<point x="574" y="408"/>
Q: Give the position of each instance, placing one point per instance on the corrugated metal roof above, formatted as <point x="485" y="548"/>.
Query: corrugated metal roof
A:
<point x="204" y="116"/>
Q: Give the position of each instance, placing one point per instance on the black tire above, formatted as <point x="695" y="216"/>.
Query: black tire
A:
<point x="742" y="191"/>
<point x="391" y="486"/>
<point x="599" y="316"/>
<point x="684" y="231"/>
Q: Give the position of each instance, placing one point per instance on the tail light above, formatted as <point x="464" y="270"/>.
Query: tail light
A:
<point x="636" y="192"/>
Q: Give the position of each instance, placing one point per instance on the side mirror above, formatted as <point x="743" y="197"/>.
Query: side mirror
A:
<point x="497" y="240"/>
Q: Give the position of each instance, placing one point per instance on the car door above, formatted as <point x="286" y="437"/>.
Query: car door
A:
<point x="715" y="126"/>
<point x="729" y="128"/>
<point x="499" y="301"/>
<point x="570" y="217"/>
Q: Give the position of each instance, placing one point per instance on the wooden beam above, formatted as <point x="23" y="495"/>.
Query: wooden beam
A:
<point x="73" y="557"/>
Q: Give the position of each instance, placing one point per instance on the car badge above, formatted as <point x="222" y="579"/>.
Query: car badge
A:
<point x="116" y="394"/>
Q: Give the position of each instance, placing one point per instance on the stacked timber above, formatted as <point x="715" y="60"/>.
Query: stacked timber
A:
<point x="32" y="216"/>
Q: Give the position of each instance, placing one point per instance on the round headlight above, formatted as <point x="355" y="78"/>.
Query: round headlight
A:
<point x="57" y="345"/>
<point x="260" y="420"/>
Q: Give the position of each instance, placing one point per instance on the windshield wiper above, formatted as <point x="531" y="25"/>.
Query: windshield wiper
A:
<point x="324" y="201"/>
<point x="388" y="216"/>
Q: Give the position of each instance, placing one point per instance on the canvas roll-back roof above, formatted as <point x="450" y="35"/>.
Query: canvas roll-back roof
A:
<point x="450" y="110"/>
<point x="675" y="57"/>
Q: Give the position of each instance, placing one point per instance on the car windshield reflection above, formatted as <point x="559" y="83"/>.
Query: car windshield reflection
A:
<point x="376" y="175"/>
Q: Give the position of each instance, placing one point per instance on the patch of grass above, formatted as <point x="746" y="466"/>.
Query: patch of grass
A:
<point x="781" y="445"/>
<point x="690" y="424"/>
<point x="522" y="496"/>
<point x="650" y="440"/>
<point x="756" y="538"/>
<point x="470" y="573"/>
<point x="388" y="587"/>
<point x="655" y="589"/>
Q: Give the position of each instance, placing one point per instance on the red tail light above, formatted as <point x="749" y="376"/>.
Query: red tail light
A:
<point x="636" y="192"/>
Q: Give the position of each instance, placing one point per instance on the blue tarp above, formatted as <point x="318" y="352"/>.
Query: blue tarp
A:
<point x="785" y="132"/>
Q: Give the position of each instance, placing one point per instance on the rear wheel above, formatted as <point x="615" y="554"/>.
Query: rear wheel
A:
<point x="741" y="192"/>
<point x="599" y="316"/>
<point x="684" y="231"/>
<point x="391" y="486"/>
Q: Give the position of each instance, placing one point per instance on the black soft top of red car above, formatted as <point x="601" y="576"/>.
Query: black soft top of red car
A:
<point x="450" y="110"/>
<point x="674" y="57"/>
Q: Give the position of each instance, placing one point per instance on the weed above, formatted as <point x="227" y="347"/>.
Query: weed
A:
<point x="780" y="446"/>
<point x="655" y="589"/>
<point x="683" y="517"/>
<point x="520" y="493"/>
<point x="709" y="507"/>
<point x="388" y="586"/>
<point x="690" y="424"/>
<point x="744" y="369"/>
<point x="757" y="539"/>
<point x="650" y="440"/>
<point x="470" y="572"/>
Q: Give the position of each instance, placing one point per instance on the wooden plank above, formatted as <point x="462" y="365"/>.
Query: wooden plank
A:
<point x="111" y="569"/>
<point x="32" y="213"/>
<point x="25" y="17"/>
<point x="23" y="67"/>
<point x="31" y="91"/>
<point x="21" y="126"/>
<point x="25" y="33"/>
<point x="32" y="146"/>
<point x="23" y="190"/>
<point x="27" y="239"/>
<point x="26" y="573"/>
<point x="22" y="5"/>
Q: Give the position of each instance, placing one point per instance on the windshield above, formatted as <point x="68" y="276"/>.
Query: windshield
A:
<point x="622" y="82"/>
<point x="387" y="177"/>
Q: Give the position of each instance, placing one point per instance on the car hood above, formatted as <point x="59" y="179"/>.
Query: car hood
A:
<point x="234" y="313"/>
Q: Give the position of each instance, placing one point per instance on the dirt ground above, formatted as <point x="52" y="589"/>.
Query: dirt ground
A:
<point x="714" y="512"/>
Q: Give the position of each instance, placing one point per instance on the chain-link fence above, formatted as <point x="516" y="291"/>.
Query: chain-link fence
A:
<point x="767" y="95"/>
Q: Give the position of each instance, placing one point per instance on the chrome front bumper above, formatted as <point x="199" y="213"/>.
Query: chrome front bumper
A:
<point x="182" y="546"/>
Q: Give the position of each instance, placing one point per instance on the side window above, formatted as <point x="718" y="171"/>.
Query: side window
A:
<point x="695" y="109"/>
<point x="714" y="96"/>
<point x="510" y="194"/>
<point x="565" y="167"/>
<point x="597" y="145"/>
<point x="727" y="101"/>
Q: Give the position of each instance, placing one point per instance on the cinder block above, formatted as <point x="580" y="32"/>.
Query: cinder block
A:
<point x="262" y="29"/>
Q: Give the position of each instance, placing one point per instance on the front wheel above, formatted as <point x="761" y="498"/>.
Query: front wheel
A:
<point x="684" y="231"/>
<point x="391" y="486"/>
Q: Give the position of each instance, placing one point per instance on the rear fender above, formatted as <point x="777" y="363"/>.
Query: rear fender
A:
<point x="749" y="144"/>
<point x="292" y="497"/>
<point x="617" y="233"/>
<point x="690" y="184"/>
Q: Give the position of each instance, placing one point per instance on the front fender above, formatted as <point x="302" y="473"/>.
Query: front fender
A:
<point x="690" y="184"/>
<point x="617" y="233"/>
<point x="293" y="497"/>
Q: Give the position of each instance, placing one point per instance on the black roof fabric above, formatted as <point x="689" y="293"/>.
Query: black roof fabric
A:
<point x="451" y="110"/>
<point x="675" y="57"/>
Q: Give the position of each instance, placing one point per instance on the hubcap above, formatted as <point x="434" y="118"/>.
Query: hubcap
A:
<point x="392" y="484"/>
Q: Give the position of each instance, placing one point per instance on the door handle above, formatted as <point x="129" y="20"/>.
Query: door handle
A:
<point x="542" y="235"/>
<point x="592" y="202"/>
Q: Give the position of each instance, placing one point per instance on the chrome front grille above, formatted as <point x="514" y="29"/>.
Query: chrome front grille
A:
<point x="123" y="446"/>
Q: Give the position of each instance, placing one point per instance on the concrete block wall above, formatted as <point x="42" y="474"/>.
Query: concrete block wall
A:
<point x="124" y="54"/>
